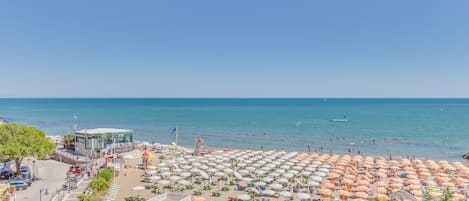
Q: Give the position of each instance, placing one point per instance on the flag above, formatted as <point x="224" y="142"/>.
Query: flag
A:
<point x="173" y="131"/>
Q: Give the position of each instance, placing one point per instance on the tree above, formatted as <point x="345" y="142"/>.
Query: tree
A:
<point x="69" y="141"/>
<point x="447" y="196"/>
<point x="19" y="141"/>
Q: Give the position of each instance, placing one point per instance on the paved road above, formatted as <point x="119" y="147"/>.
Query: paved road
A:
<point x="51" y="175"/>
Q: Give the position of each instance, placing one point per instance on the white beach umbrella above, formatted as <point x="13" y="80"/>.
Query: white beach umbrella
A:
<point x="297" y="168"/>
<point x="282" y="180"/>
<point x="285" y="167"/>
<point x="219" y="174"/>
<point x="260" y="183"/>
<point x="195" y="170"/>
<point x="164" y="168"/>
<point x="151" y="167"/>
<point x="321" y="174"/>
<point x="174" y="178"/>
<point x="293" y="171"/>
<point x="165" y="174"/>
<point x="274" y="174"/>
<point x="185" y="174"/>
<point x="211" y="170"/>
<point x="268" y="179"/>
<point x="276" y="186"/>
<point x="154" y="178"/>
<point x="268" y="192"/>
<point x="183" y="182"/>
<point x="163" y="182"/>
<point x="138" y="188"/>
<point x="203" y="167"/>
<point x="285" y="194"/>
<point x="287" y="175"/>
<point x="243" y="171"/>
<point x="266" y="168"/>
<point x="220" y="167"/>
<point x="280" y="171"/>
<point x="260" y="172"/>
<point x="247" y="179"/>
<point x="128" y="156"/>
<point x="186" y="167"/>
<point x="244" y="197"/>
<point x="316" y="178"/>
<point x="313" y="183"/>
<point x="250" y="168"/>
<point x="310" y="169"/>
<point x="228" y="170"/>
<point x="325" y="170"/>
<point x="303" y="196"/>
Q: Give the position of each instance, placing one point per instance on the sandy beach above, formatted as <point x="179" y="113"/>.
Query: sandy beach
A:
<point x="279" y="175"/>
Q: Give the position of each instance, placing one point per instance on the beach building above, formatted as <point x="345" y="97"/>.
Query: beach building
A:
<point x="99" y="140"/>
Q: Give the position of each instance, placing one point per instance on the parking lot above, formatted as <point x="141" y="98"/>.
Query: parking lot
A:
<point x="51" y="175"/>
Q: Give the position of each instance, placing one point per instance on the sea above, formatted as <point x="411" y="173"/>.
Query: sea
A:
<point x="421" y="128"/>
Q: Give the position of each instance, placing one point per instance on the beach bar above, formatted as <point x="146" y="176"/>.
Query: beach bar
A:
<point x="98" y="140"/>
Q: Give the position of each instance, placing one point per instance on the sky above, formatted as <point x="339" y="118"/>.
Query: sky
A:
<point x="242" y="48"/>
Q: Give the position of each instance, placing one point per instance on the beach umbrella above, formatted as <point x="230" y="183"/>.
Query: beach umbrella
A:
<point x="276" y="186"/>
<point x="211" y="170"/>
<point x="183" y="182"/>
<point x="321" y="174"/>
<point x="285" y="194"/>
<point x="154" y="178"/>
<point x="260" y="183"/>
<point x="247" y="179"/>
<point x="186" y="167"/>
<point x="361" y="195"/>
<point x="313" y="183"/>
<point x="274" y="174"/>
<point x="344" y="193"/>
<point x="267" y="179"/>
<point x="316" y="178"/>
<point x="325" y="192"/>
<point x="185" y="174"/>
<point x="165" y="174"/>
<point x="138" y="188"/>
<point x="244" y="197"/>
<point x="282" y="180"/>
<point x="303" y="196"/>
<point x="280" y="171"/>
<point x="293" y="172"/>
<point x="219" y="174"/>
<point x="268" y="192"/>
<point x="163" y="182"/>
<point x="306" y="173"/>
<point x="174" y="178"/>
<point x="128" y="156"/>
<point x="288" y="175"/>
<point x="329" y="185"/>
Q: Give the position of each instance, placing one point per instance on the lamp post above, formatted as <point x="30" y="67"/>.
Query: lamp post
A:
<point x="41" y="191"/>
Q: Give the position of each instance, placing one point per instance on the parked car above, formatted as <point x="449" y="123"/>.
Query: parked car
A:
<point x="6" y="174"/>
<point x="76" y="169"/>
<point x="19" y="185"/>
<point x="26" y="179"/>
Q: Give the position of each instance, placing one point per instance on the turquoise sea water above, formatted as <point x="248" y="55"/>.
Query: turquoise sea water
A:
<point x="430" y="128"/>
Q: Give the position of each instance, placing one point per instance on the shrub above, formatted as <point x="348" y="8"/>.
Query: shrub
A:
<point x="106" y="174"/>
<point x="98" y="184"/>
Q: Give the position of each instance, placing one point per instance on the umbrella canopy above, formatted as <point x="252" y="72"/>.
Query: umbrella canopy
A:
<point x="138" y="188"/>
<point x="276" y="186"/>
<point x="184" y="182"/>
<point x="282" y="180"/>
<point x="244" y="197"/>
<point x="163" y="182"/>
<point x="268" y="192"/>
<point x="285" y="194"/>
<point x="303" y="196"/>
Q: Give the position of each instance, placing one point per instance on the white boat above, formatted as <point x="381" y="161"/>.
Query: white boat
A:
<point x="340" y="119"/>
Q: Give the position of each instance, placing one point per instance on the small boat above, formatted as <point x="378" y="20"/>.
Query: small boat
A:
<point x="340" y="119"/>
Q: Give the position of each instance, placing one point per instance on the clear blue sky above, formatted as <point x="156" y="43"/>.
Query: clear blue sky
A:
<point x="241" y="48"/>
